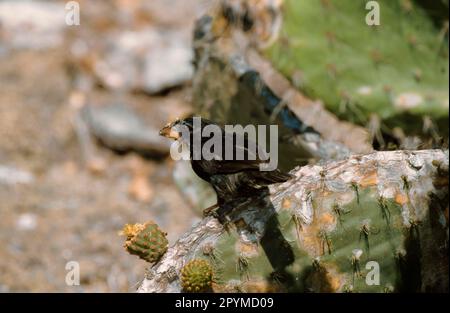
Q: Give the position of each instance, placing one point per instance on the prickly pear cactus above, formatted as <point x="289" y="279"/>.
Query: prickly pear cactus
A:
<point x="147" y="241"/>
<point x="197" y="276"/>
<point x="374" y="223"/>
<point x="401" y="66"/>
<point x="335" y="253"/>
<point x="368" y="244"/>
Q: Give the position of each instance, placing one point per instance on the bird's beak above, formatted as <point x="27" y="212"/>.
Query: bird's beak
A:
<point x="168" y="132"/>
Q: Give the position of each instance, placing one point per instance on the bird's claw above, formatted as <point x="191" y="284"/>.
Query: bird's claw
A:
<point x="227" y="224"/>
<point x="211" y="211"/>
<point x="214" y="211"/>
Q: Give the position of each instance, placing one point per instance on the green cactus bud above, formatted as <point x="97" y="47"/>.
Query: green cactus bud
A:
<point x="147" y="241"/>
<point x="197" y="276"/>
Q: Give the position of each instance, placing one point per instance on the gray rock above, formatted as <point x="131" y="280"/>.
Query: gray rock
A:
<point x="12" y="176"/>
<point x="148" y="60"/>
<point x="168" y="67"/>
<point x="31" y="25"/>
<point x="119" y="128"/>
<point x="26" y="222"/>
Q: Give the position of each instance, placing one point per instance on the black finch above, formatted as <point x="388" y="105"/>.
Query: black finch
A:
<point x="233" y="180"/>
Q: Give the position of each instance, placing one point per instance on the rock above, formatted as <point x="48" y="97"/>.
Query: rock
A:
<point x="148" y="60"/>
<point x="31" y="25"/>
<point x="119" y="128"/>
<point x="26" y="222"/>
<point x="168" y="67"/>
<point x="13" y="176"/>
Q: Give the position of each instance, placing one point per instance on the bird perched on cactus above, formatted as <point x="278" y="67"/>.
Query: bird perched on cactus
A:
<point x="233" y="178"/>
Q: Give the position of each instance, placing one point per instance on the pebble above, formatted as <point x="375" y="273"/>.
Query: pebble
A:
<point x="26" y="222"/>
<point x="13" y="176"/>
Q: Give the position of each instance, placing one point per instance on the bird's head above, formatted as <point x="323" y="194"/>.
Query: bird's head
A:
<point x="174" y="130"/>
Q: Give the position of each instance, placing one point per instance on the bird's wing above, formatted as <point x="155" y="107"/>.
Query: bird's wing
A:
<point x="253" y="156"/>
<point x="264" y="178"/>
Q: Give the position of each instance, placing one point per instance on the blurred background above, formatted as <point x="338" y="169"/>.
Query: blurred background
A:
<point x="64" y="196"/>
<point x="81" y="107"/>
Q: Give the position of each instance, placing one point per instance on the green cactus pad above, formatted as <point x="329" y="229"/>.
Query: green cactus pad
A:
<point x="397" y="70"/>
<point x="197" y="276"/>
<point x="332" y="254"/>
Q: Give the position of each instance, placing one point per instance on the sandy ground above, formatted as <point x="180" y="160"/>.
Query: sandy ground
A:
<point x="54" y="206"/>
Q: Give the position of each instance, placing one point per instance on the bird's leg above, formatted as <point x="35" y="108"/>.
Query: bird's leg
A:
<point x="227" y="224"/>
<point x="210" y="210"/>
<point x="213" y="211"/>
<point x="222" y="211"/>
<point x="218" y="210"/>
<point x="227" y="207"/>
